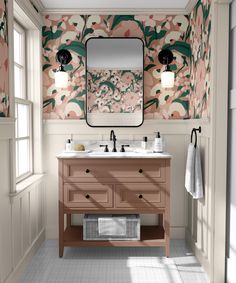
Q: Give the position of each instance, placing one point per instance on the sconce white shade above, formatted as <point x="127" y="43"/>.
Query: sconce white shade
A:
<point x="61" y="79"/>
<point x="167" y="79"/>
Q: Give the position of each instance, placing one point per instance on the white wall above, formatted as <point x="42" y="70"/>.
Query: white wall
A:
<point x="176" y="134"/>
<point x="231" y="261"/>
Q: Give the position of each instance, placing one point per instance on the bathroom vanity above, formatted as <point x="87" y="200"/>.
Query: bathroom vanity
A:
<point x="114" y="183"/>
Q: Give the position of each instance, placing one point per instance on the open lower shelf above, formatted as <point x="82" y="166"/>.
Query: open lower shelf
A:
<point x="150" y="236"/>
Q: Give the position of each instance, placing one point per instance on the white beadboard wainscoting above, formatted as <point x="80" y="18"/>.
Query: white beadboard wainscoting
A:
<point x="21" y="213"/>
<point x="189" y="219"/>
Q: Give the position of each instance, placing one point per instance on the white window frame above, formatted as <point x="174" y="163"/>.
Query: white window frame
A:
<point x="22" y="66"/>
<point x="24" y="101"/>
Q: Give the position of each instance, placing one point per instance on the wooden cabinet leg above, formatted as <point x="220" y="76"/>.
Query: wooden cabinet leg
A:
<point x="61" y="229"/>
<point x="167" y="234"/>
<point x="68" y="220"/>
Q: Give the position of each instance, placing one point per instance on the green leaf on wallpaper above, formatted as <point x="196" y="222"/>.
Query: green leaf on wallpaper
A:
<point x="149" y="66"/>
<point x="45" y="32"/>
<point x="118" y="19"/>
<point x="62" y="98"/>
<point x="59" y="24"/>
<point x="188" y="32"/>
<point x="109" y="84"/>
<point x="79" y="102"/>
<point x="88" y="31"/>
<point x="147" y="31"/>
<point x="163" y="24"/>
<point x="166" y="97"/>
<point x="179" y="87"/>
<point x="184" y="94"/>
<point x="206" y="12"/>
<point x="151" y="59"/>
<point x="45" y="66"/>
<point x="173" y="67"/>
<point x="184" y="103"/>
<point x="180" y="46"/>
<point x="68" y="67"/>
<point x="48" y="102"/>
<point x="75" y="46"/>
<point x="151" y="102"/>
<point x="209" y="30"/>
<point x="81" y="93"/>
<point x="46" y="58"/>
<point x="50" y="35"/>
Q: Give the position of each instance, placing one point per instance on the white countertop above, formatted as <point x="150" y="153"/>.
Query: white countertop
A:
<point x="97" y="154"/>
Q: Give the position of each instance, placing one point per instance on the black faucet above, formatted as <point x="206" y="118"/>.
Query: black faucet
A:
<point x="113" y="138"/>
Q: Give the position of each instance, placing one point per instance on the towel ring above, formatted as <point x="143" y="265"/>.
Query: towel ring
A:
<point x="195" y="130"/>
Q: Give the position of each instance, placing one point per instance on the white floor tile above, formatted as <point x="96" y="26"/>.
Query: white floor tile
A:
<point x="113" y="265"/>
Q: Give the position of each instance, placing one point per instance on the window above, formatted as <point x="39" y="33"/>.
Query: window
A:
<point x="23" y="107"/>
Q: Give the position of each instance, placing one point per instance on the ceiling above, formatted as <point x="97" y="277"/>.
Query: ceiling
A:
<point x="115" y="4"/>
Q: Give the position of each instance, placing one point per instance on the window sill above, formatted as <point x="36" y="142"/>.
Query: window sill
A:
<point x="26" y="183"/>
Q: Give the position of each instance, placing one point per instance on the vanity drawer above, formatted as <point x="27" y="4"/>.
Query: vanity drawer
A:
<point x="115" y="169"/>
<point x="136" y="195"/>
<point x="88" y="195"/>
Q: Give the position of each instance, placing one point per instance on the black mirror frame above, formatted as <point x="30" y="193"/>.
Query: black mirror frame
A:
<point x="105" y="38"/>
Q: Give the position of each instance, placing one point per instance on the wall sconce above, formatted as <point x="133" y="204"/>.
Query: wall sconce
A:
<point x="167" y="76"/>
<point x="64" y="57"/>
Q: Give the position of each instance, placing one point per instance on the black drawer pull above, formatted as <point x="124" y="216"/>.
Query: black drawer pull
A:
<point x="140" y="196"/>
<point x="87" y="196"/>
<point x="140" y="170"/>
<point x="87" y="170"/>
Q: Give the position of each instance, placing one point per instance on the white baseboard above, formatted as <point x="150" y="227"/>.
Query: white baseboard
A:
<point x="19" y="269"/>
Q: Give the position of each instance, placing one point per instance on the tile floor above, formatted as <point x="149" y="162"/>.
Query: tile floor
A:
<point x="114" y="265"/>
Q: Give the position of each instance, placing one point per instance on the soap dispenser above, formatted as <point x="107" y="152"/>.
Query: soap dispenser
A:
<point x="158" y="143"/>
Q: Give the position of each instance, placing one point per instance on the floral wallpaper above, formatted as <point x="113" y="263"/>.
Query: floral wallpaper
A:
<point x="114" y="91"/>
<point x="200" y="22"/>
<point x="157" y="31"/>
<point x="4" y="100"/>
<point x="187" y="36"/>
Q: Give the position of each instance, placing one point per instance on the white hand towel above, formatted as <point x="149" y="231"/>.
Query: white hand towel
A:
<point x="190" y="169"/>
<point x="198" y="184"/>
<point x="112" y="226"/>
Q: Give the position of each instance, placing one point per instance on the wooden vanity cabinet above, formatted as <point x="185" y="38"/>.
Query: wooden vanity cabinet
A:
<point x="114" y="185"/>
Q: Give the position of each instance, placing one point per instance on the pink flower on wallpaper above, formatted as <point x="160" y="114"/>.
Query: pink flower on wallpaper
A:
<point x="132" y="99"/>
<point x="116" y="107"/>
<point x="200" y="79"/>
<point x="127" y="29"/>
<point x="127" y="77"/>
<point x="150" y="20"/>
<point x="120" y="91"/>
